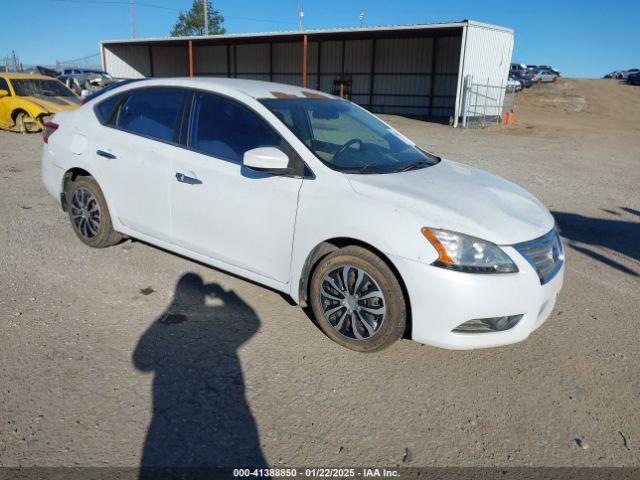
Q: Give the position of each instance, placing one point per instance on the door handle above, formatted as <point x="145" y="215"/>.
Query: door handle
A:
<point x="104" y="154"/>
<point x="182" y="178"/>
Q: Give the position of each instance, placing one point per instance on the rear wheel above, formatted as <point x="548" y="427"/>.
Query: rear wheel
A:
<point x="89" y="214"/>
<point x="357" y="300"/>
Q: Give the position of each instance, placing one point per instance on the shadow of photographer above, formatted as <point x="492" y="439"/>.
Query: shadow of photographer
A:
<point x="201" y="418"/>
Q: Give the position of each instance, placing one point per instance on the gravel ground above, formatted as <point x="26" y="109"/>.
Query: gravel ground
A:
<point x="244" y="374"/>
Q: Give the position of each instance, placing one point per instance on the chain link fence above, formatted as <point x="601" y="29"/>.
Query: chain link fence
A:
<point x="90" y="62"/>
<point x="484" y="104"/>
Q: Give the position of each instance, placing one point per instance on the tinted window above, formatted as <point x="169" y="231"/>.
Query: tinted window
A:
<point x="105" y="108"/>
<point x="152" y="112"/>
<point x="226" y="129"/>
<point x="4" y="85"/>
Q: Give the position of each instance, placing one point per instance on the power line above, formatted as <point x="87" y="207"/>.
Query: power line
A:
<point x="162" y="7"/>
<point x="115" y="2"/>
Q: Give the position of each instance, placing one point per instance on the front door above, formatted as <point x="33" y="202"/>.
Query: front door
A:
<point x="220" y="208"/>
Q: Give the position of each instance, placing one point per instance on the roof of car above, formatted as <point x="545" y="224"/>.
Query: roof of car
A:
<point x="14" y="75"/>
<point x="252" y="88"/>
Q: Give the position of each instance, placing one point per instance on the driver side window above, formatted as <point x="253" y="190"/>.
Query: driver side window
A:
<point x="225" y="129"/>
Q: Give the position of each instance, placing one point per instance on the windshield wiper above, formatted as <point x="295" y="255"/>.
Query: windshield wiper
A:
<point x="413" y="165"/>
<point x="357" y="170"/>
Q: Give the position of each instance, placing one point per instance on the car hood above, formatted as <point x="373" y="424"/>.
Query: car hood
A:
<point x="463" y="199"/>
<point x="53" y="104"/>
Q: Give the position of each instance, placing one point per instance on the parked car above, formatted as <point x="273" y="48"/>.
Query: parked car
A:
<point x="544" y="76"/>
<point x="624" y="74"/>
<point x="313" y="196"/>
<point x="634" y="79"/>
<point x="83" y="71"/>
<point x="517" y="67"/>
<point x="27" y="101"/>
<point x="525" y="78"/>
<point x="513" y="85"/>
<point x="547" y="67"/>
<point x="85" y="82"/>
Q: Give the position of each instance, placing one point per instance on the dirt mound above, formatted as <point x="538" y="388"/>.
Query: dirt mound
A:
<point x="587" y="103"/>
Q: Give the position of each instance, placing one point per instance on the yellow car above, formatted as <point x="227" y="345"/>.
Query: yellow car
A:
<point x="27" y="101"/>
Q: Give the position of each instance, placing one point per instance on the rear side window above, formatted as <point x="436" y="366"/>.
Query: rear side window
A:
<point x="105" y="108"/>
<point x="225" y="129"/>
<point x="151" y="112"/>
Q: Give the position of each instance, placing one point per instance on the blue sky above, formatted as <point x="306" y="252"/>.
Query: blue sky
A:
<point x="585" y="38"/>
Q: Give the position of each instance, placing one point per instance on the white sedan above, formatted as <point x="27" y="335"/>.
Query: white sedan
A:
<point x="313" y="196"/>
<point x="545" y="76"/>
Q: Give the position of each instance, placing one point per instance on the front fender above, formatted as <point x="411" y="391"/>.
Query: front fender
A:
<point x="333" y="210"/>
<point x="34" y="110"/>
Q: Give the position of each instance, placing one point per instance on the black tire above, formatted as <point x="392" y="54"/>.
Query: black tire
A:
<point x="377" y="277"/>
<point x="89" y="215"/>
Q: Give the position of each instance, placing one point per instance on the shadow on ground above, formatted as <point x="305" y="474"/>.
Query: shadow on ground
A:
<point x="200" y="415"/>
<point x="620" y="237"/>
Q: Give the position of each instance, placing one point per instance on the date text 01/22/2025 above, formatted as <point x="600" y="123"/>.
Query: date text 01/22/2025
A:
<point x="316" y="472"/>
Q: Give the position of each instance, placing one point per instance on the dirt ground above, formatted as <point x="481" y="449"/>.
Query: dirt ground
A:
<point x="86" y="345"/>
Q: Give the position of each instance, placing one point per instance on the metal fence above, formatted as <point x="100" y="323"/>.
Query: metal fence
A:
<point x="91" y="62"/>
<point x="484" y="104"/>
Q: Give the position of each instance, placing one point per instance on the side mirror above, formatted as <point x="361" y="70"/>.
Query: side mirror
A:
<point x="266" y="159"/>
<point x="4" y="93"/>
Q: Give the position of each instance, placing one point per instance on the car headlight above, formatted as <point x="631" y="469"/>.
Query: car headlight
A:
<point x="468" y="254"/>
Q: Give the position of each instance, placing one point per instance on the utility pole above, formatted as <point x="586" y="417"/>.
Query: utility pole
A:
<point x="206" y="18"/>
<point x="133" y="18"/>
<point x="361" y="18"/>
<point x="300" y="14"/>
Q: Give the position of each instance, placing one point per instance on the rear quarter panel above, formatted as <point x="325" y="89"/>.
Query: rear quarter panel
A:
<point x="72" y="146"/>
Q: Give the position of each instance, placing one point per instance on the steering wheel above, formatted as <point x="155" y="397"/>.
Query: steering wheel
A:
<point x="344" y="147"/>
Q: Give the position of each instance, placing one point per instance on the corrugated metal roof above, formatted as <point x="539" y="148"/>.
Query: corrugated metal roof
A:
<point x="323" y="31"/>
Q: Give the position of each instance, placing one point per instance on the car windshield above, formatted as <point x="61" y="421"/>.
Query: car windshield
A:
<point x="25" y="87"/>
<point x="347" y="138"/>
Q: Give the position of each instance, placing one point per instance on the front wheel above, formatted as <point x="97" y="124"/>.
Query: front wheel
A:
<point x="89" y="214"/>
<point x="25" y="123"/>
<point x="357" y="300"/>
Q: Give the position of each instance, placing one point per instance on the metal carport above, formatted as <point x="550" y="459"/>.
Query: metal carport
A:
<point x="414" y="70"/>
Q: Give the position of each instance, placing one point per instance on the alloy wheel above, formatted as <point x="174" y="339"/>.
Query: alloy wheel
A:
<point x="352" y="302"/>
<point x="85" y="212"/>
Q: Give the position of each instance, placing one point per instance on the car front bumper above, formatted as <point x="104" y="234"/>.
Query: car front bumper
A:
<point x="443" y="299"/>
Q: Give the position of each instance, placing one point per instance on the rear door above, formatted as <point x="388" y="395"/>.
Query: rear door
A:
<point x="135" y="151"/>
<point x="220" y="208"/>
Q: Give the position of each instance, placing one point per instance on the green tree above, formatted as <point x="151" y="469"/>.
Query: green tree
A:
<point x="192" y="22"/>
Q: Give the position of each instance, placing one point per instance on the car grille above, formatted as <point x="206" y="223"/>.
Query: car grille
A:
<point x="545" y="254"/>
